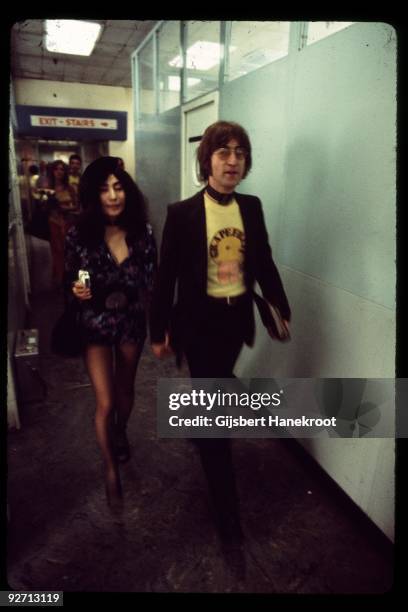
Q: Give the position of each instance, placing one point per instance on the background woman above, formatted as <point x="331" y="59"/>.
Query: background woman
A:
<point x="114" y="243"/>
<point x="64" y="210"/>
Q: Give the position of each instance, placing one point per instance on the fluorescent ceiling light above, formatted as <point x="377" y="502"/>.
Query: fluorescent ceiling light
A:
<point x="203" y="55"/>
<point x="71" y="36"/>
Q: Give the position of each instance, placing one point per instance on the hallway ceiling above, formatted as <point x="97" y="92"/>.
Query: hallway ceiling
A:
<point x="109" y="63"/>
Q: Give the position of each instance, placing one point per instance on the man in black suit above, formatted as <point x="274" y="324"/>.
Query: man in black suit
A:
<point x="214" y="247"/>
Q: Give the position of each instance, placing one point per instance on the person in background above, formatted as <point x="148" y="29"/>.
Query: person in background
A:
<point x="64" y="210"/>
<point x="42" y="191"/>
<point x="214" y="247"/>
<point x="75" y="165"/>
<point x="114" y="243"/>
<point x="43" y="179"/>
<point x="33" y="176"/>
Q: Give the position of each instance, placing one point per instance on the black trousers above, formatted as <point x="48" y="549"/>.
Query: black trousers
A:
<point x="211" y="353"/>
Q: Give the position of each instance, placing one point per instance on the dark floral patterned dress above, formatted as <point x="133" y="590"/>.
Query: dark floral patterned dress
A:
<point x="116" y="313"/>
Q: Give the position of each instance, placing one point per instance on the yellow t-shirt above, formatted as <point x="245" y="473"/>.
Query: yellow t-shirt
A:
<point x="226" y="248"/>
<point x="74" y="182"/>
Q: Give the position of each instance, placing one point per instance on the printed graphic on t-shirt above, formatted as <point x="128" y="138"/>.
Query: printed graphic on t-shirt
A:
<point x="227" y="252"/>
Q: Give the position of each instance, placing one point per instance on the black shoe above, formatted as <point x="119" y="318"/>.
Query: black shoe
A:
<point x="122" y="449"/>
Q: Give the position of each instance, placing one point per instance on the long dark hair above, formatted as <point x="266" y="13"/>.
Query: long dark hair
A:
<point x="51" y="176"/>
<point x="92" y="222"/>
<point x="217" y="136"/>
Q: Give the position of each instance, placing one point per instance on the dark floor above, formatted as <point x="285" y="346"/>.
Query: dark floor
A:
<point x="301" y="536"/>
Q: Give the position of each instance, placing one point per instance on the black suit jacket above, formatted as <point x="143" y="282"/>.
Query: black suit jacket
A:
<point x="183" y="262"/>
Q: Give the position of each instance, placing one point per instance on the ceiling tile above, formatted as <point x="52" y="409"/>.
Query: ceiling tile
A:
<point x="108" y="48"/>
<point x="109" y="63"/>
<point x="116" y="35"/>
<point x="29" y="25"/>
<point x="126" y="24"/>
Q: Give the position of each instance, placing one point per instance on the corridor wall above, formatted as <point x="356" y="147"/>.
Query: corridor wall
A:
<point x="322" y="123"/>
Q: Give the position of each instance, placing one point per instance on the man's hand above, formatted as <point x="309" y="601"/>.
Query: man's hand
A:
<point x="162" y="349"/>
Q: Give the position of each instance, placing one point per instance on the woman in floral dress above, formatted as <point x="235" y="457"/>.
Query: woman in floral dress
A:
<point x="114" y="243"/>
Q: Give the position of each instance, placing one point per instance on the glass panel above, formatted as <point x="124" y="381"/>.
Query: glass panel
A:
<point x="169" y="75"/>
<point x="203" y="57"/>
<point x="158" y="163"/>
<point x="146" y="79"/>
<point x="254" y="44"/>
<point x="320" y="29"/>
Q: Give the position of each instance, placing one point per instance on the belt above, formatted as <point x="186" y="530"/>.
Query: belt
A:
<point x="229" y="300"/>
<point x="116" y="300"/>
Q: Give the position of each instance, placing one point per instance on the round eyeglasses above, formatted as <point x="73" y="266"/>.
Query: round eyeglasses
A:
<point x="224" y="152"/>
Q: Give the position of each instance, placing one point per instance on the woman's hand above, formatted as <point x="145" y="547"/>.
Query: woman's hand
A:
<point x="80" y="291"/>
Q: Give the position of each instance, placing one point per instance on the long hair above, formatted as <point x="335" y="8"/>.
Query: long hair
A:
<point x="51" y="176"/>
<point x="92" y="222"/>
<point x="217" y="136"/>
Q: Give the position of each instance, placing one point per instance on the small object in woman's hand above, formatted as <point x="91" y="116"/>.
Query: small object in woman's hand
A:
<point x="84" y="278"/>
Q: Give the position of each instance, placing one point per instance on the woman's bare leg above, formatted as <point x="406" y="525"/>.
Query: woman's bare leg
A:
<point x="127" y="359"/>
<point x="99" y="363"/>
